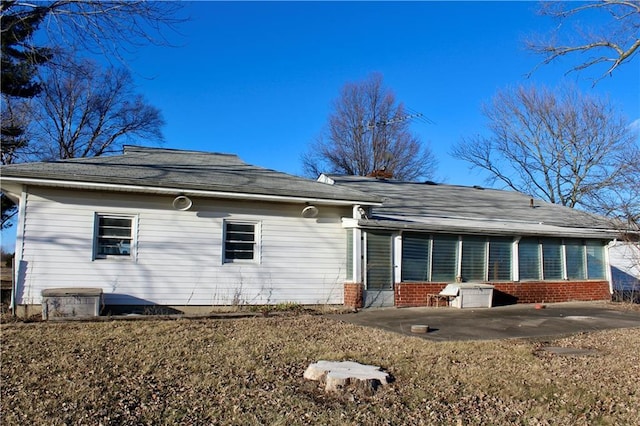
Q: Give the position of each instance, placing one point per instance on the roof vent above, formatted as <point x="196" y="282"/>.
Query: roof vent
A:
<point x="478" y="187"/>
<point x="429" y="182"/>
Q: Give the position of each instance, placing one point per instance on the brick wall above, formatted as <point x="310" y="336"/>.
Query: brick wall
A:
<point x="552" y="292"/>
<point x="353" y="295"/>
<point x="417" y="294"/>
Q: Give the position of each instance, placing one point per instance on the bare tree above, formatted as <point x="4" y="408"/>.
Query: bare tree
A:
<point x="86" y="112"/>
<point x="15" y="116"/>
<point x="611" y="43"/>
<point x="367" y="132"/>
<point x="32" y="33"/>
<point x="110" y="28"/>
<point x="557" y="145"/>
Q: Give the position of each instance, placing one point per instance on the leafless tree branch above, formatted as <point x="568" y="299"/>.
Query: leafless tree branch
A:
<point x="560" y="146"/>
<point x="612" y="43"/>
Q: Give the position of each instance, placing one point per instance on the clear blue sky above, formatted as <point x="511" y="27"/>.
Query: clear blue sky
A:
<point x="258" y="79"/>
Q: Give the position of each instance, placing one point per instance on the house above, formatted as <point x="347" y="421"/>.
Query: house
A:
<point x="191" y="230"/>
<point x="625" y="269"/>
<point x="178" y="229"/>
<point x="425" y="235"/>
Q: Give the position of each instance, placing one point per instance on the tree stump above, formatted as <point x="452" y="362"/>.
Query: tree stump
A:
<point x="339" y="375"/>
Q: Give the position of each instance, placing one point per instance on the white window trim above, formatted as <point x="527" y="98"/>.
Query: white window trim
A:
<point x="257" y="243"/>
<point x="133" y="256"/>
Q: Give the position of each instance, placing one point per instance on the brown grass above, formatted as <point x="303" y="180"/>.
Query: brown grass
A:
<point x="249" y="371"/>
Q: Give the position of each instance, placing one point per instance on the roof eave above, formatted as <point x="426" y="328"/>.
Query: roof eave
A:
<point x="511" y="230"/>
<point x="59" y="183"/>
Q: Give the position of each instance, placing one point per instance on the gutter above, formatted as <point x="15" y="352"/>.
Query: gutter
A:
<point x="509" y="229"/>
<point x="183" y="191"/>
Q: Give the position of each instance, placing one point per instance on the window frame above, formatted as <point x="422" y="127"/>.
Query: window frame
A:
<point x="133" y="244"/>
<point x="257" y="238"/>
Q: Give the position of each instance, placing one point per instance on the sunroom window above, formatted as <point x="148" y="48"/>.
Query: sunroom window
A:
<point x="437" y="258"/>
<point x="552" y="259"/>
<point x="474" y="258"/>
<point x="416" y="257"/>
<point x="500" y="259"/>
<point x="444" y="257"/>
<point x="557" y="259"/>
<point x="529" y="259"/>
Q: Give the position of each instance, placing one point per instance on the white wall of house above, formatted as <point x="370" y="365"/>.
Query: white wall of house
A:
<point x="625" y="265"/>
<point x="179" y="254"/>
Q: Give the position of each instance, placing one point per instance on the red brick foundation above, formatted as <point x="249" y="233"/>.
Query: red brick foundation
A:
<point x="553" y="292"/>
<point x="353" y="295"/>
<point x="417" y="294"/>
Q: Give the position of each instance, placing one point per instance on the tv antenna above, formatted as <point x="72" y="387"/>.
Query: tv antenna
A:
<point x="382" y="123"/>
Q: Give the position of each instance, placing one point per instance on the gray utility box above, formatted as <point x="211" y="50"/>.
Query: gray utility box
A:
<point x="469" y="295"/>
<point x="60" y="303"/>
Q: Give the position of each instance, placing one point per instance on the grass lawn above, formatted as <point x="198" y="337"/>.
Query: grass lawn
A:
<point x="249" y="371"/>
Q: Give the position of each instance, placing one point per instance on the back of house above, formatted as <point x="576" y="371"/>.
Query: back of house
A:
<point x="187" y="231"/>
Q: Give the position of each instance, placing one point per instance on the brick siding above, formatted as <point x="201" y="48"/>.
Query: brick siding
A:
<point x="353" y="295"/>
<point x="417" y="294"/>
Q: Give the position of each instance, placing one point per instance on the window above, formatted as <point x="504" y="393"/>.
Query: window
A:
<point x="585" y="260"/>
<point x="114" y="236"/>
<point x="437" y="258"/>
<point x="575" y="260"/>
<point x="529" y="259"/>
<point x="240" y="242"/>
<point x="444" y="258"/>
<point x="474" y="258"/>
<point x="552" y="259"/>
<point x="415" y="257"/>
<point x="595" y="260"/>
<point x="350" y="254"/>
<point x="571" y="258"/>
<point x="500" y="259"/>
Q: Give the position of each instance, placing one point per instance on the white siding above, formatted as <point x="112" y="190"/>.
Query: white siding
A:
<point x="179" y="253"/>
<point x="625" y="266"/>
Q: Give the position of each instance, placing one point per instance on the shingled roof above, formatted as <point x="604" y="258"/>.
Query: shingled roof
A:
<point x="475" y="210"/>
<point x="143" y="169"/>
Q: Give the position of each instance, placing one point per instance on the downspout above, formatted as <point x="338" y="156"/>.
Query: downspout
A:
<point x="17" y="258"/>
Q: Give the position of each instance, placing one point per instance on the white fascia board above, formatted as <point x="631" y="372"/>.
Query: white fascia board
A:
<point x="181" y="191"/>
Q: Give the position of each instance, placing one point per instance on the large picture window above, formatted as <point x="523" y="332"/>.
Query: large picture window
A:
<point x="114" y="236"/>
<point x="241" y="242"/>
